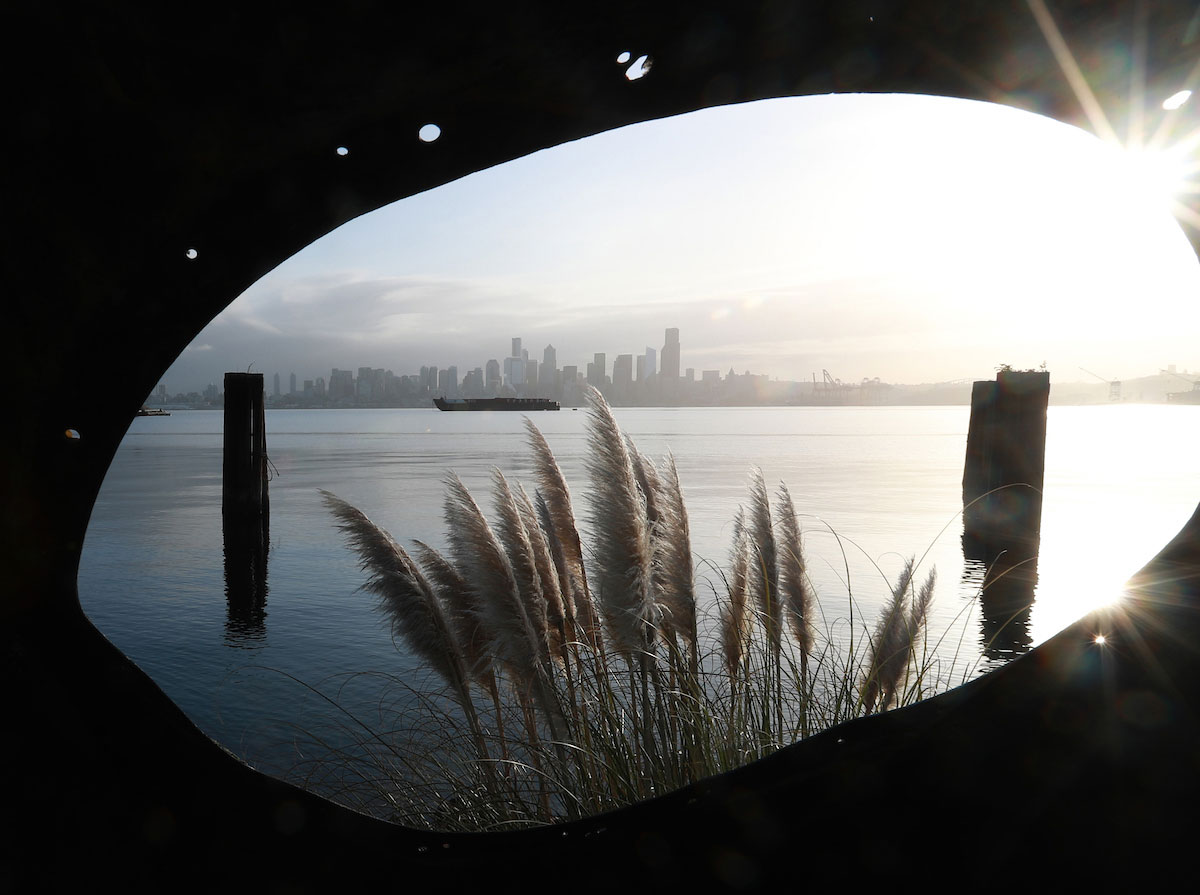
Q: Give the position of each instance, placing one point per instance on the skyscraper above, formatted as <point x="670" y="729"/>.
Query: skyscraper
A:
<point x="364" y="385"/>
<point x="570" y="383"/>
<point x="341" y="384"/>
<point x="547" y="371"/>
<point x="622" y="378"/>
<point x="652" y="358"/>
<point x="670" y="355"/>
<point x="516" y="347"/>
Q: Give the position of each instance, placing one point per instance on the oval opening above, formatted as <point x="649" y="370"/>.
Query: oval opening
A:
<point x="806" y="286"/>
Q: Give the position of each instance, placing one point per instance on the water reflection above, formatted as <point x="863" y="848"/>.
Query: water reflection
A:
<point x="1005" y="580"/>
<point x="245" y="548"/>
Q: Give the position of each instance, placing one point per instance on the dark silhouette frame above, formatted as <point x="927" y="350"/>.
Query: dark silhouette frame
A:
<point x="137" y="137"/>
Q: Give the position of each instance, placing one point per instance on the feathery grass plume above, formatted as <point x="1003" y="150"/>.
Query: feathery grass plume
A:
<point x="556" y="617"/>
<point x="463" y="613"/>
<point x="890" y="646"/>
<point x="558" y="562"/>
<point x="796" y="596"/>
<point x="647" y="479"/>
<point x="483" y="562"/>
<point x="514" y="537"/>
<point x="676" y="582"/>
<point x="505" y="599"/>
<point x="572" y="628"/>
<point x="415" y="611"/>
<point x="624" y="582"/>
<point x="918" y="613"/>
<point x="462" y="610"/>
<point x="519" y="641"/>
<point x="651" y="487"/>
<point x="560" y="518"/>
<point x="735" y="627"/>
<point x="405" y="596"/>
<point x="918" y="618"/>
<point x="764" y="566"/>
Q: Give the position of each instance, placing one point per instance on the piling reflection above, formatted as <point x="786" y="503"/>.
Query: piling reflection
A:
<point x="1005" y="579"/>
<point x="245" y="548"/>
<point x="245" y="509"/>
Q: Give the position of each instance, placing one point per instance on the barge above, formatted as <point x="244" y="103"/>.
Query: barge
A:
<point x="521" y="404"/>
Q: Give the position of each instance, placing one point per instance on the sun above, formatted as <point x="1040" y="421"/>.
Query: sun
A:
<point x="1157" y="176"/>
<point x="1160" y="166"/>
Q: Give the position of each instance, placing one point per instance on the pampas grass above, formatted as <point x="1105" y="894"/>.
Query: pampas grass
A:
<point x="577" y="687"/>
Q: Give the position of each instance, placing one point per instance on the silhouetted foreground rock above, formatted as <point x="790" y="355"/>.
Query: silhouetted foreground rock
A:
<point x="134" y="137"/>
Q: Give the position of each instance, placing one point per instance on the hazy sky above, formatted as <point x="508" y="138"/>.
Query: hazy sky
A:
<point x="867" y="235"/>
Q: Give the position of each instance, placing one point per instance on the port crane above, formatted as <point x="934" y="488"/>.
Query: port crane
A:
<point x="1114" y="385"/>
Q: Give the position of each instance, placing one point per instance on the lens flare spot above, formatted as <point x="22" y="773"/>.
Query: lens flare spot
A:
<point x="1175" y="100"/>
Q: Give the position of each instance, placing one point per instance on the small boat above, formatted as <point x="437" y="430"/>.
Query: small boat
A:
<point x="522" y="404"/>
<point x="152" y="411"/>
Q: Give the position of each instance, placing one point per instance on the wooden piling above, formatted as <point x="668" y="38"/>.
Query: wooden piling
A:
<point x="244" y="468"/>
<point x="1005" y="466"/>
<point x="245" y="508"/>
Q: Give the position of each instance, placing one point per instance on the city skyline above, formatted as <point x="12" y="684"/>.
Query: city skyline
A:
<point x="635" y="380"/>
<point x="916" y="239"/>
<point x="623" y="378"/>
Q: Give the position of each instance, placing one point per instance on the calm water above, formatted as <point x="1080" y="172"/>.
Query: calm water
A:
<point x="1119" y="482"/>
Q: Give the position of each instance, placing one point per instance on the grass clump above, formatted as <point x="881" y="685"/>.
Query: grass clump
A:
<point x="568" y="685"/>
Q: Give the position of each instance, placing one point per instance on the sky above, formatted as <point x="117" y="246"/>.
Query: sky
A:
<point x="911" y="238"/>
